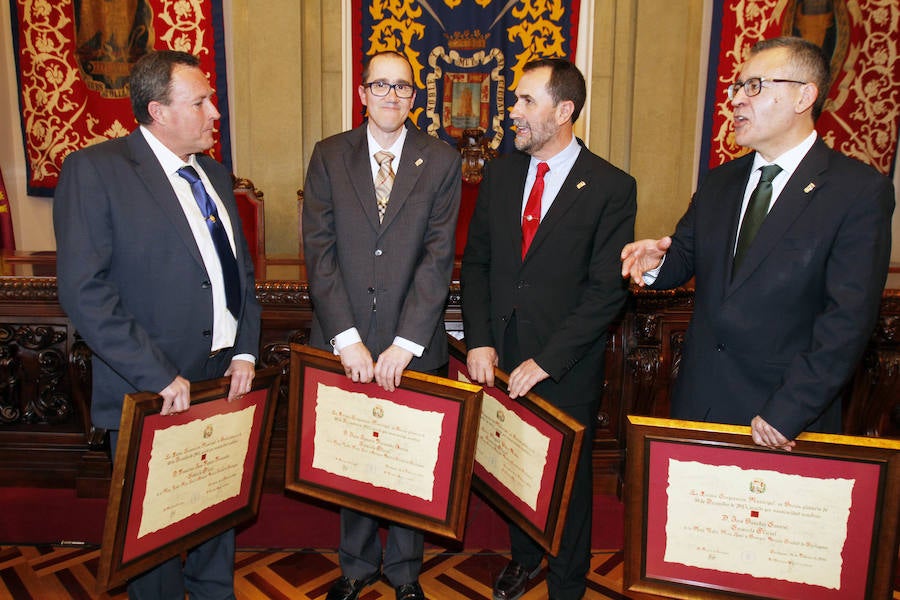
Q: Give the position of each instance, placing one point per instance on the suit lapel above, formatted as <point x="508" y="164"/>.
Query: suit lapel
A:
<point x="510" y="204"/>
<point x="225" y="191"/>
<point x="790" y="204"/>
<point x="359" y="166"/>
<point x="578" y="181"/>
<point x="159" y="190"/>
<point x="729" y="206"/>
<point x="412" y="164"/>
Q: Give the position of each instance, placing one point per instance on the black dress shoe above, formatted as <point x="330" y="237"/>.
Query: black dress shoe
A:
<point x="348" y="589"/>
<point x="511" y="583"/>
<point x="410" y="591"/>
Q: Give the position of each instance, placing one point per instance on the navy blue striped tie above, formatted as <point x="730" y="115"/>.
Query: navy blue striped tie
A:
<point x="219" y="238"/>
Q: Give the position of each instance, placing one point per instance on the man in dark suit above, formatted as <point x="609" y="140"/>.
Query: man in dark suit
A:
<point x="139" y="274"/>
<point x="780" y="318"/>
<point x="379" y="221"/>
<point x="541" y="309"/>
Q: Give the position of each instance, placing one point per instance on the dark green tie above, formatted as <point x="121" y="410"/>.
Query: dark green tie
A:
<point x="757" y="208"/>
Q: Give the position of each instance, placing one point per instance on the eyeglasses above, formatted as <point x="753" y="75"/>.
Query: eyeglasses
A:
<point x="754" y="85"/>
<point x="382" y="88"/>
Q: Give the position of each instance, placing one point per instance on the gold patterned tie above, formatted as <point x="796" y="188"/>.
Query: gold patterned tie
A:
<point x="384" y="181"/>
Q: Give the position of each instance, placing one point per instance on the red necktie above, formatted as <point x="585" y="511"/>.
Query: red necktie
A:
<point x="532" y="217"/>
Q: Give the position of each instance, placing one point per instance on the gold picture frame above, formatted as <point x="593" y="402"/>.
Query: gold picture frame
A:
<point x="212" y="459"/>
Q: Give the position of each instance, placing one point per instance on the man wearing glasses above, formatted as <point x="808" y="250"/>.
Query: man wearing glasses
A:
<point x="789" y="247"/>
<point x="379" y="230"/>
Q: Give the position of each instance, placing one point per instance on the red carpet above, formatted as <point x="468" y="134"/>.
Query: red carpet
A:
<point x="44" y="515"/>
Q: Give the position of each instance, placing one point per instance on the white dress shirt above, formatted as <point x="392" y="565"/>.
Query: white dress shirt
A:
<point x="224" y="323"/>
<point x="560" y="165"/>
<point x="788" y="161"/>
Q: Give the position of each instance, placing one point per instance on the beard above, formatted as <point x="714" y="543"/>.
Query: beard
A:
<point x="538" y="135"/>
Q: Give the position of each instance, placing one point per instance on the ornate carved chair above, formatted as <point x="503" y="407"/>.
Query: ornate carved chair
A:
<point x="253" y="221"/>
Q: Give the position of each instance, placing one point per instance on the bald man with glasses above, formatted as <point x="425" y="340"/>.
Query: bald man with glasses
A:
<point x="790" y="247"/>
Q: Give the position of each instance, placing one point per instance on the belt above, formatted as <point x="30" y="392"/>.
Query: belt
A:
<point x="215" y="353"/>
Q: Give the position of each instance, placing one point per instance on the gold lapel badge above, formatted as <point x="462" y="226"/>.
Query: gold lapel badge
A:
<point x="580" y="185"/>
<point x="419" y="162"/>
<point x="809" y="187"/>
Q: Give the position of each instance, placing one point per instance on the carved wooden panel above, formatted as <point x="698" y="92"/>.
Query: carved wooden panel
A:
<point x="46" y="438"/>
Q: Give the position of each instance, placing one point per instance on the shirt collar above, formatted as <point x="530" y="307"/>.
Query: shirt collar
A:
<point x="788" y="161"/>
<point x="395" y="148"/>
<point x="170" y="161"/>
<point x="566" y="155"/>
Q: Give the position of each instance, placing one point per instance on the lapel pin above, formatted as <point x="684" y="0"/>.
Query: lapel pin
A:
<point x="810" y="187"/>
<point x="419" y="162"/>
<point x="580" y="185"/>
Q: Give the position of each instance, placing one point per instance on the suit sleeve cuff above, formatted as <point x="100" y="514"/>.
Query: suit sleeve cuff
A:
<point x="650" y="276"/>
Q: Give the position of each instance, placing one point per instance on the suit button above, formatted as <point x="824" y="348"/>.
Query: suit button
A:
<point x="205" y="285"/>
<point x="720" y="347"/>
<point x="371" y="290"/>
<point x="378" y="252"/>
<point x="207" y="333"/>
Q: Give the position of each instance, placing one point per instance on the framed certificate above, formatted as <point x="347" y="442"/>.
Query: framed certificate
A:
<point x="179" y="480"/>
<point x="404" y="455"/>
<point x="526" y="455"/>
<point x="709" y="514"/>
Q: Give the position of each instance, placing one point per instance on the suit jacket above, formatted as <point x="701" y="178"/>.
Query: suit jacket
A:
<point x="783" y="335"/>
<point x="130" y="275"/>
<point x="402" y="266"/>
<point x="568" y="290"/>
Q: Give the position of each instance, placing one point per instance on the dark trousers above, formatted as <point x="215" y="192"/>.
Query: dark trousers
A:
<point x="208" y="571"/>
<point x="361" y="553"/>
<point x="567" y="571"/>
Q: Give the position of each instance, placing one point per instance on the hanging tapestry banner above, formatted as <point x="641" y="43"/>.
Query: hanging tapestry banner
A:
<point x="73" y="58"/>
<point x="7" y="237"/>
<point x="467" y="56"/>
<point x="862" y="40"/>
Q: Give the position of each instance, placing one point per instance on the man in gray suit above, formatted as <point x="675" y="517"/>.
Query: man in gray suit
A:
<point x="379" y="220"/>
<point x="158" y="298"/>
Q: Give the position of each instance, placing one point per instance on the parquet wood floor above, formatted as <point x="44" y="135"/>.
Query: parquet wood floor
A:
<point x="61" y="573"/>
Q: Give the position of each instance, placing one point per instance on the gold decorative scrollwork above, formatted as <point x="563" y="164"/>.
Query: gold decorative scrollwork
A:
<point x="753" y="19"/>
<point x="396" y="26"/>
<point x="863" y="118"/>
<point x="50" y="106"/>
<point x="57" y="116"/>
<point x="860" y="117"/>
<point x="539" y="32"/>
<point x="184" y="19"/>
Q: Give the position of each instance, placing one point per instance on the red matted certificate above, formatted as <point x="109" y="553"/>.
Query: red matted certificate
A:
<point x="526" y="455"/>
<point x="194" y="466"/>
<point x="405" y="455"/>
<point x="708" y="509"/>
<point x="375" y="440"/>
<point x="181" y="479"/>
